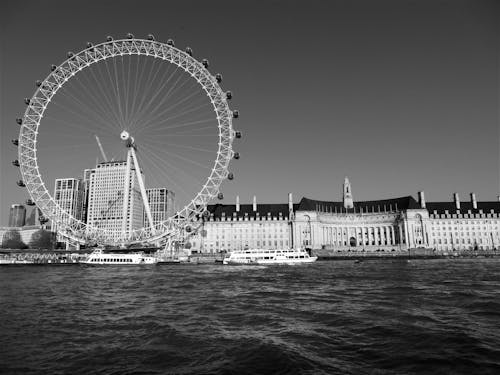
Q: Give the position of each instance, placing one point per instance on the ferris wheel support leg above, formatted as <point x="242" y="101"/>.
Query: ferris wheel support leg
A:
<point x="143" y="189"/>
<point x="125" y="196"/>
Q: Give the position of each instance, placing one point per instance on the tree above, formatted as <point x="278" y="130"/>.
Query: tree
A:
<point x="12" y="240"/>
<point x="42" y="239"/>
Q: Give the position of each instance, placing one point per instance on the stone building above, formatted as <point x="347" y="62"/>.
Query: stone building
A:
<point x="242" y="226"/>
<point x="395" y="224"/>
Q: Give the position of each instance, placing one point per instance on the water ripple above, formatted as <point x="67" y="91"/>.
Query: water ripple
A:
<point x="375" y="317"/>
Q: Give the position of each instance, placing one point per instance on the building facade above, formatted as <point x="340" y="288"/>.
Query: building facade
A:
<point x="17" y="215"/>
<point x="242" y="226"/>
<point x="161" y="203"/>
<point x="396" y="224"/>
<point x="106" y="208"/>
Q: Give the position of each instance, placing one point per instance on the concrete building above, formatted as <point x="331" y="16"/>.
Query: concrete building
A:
<point x="395" y="224"/>
<point x="161" y="202"/>
<point x="69" y="193"/>
<point x="106" y="208"/>
<point x="25" y="232"/>
<point x="86" y="186"/>
<point x="242" y="226"/>
<point x="17" y="215"/>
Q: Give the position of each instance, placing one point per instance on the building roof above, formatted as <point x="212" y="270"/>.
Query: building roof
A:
<point x="442" y="207"/>
<point x="402" y="203"/>
<point x="218" y="210"/>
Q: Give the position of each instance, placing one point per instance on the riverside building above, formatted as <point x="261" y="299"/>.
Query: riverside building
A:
<point x="17" y="215"/>
<point x="161" y="203"/>
<point x="106" y="208"/>
<point x="69" y="194"/>
<point x="395" y="224"/>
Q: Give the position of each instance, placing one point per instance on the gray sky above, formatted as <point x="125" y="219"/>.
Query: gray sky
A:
<point x="398" y="95"/>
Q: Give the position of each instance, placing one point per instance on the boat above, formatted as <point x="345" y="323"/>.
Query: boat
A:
<point x="268" y="256"/>
<point x="99" y="257"/>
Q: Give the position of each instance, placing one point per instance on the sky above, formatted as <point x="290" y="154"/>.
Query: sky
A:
<point x="400" y="96"/>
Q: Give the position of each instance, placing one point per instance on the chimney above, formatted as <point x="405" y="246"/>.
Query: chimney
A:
<point x="498" y="198"/>
<point x="473" y="200"/>
<point x="290" y="202"/>
<point x="254" y="203"/>
<point x="237" y="203"/>
<point x="421" y="199"/>
<point x="457" y="200"/>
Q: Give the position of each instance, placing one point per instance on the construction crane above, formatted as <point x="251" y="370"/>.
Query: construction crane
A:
<point x="101" y="148"/>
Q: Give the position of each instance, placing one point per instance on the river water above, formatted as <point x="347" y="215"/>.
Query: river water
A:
<point x="374" y="317"/>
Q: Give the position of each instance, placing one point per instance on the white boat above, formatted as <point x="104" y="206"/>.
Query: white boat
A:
<point x="268" y="256"/>
<point x="99" y="257"/>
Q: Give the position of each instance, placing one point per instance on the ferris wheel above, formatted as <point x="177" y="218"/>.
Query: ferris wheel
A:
<point x="153" y="112"/>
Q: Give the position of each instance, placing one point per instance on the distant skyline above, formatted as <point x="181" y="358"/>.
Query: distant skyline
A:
<point x="399" y="96"/>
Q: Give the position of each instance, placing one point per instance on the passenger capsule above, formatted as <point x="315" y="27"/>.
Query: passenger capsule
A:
<point x="237" y="134"/>
<point x="236" y="155"/>
<point x="38" y="83"/>
<point x="230" y="176"/>
<point x="42" y="219"/>
<point x="170" y="42"/>
<point x="151" y="37"/>
<point x="15" y="142"/>
<point x="205" y="63"/>
<point x="53" y="67"/>
<point x="220" y="196"/>
<point x="19" y="121"/>
<point x="206" y="214"/>
<point x="70" y="54"/>
<point x="189" y="51"/>
<point x="29" y="202"/>
<point x="188" y="229"/>
<point x="229" y="95"/>
<point x="130" y="36"/>
<point x="218" y="77"/>
<point x="236" y="113"/>
<point x="15" y="163"/>
<point x="27" y="101"/>
<point x="21" y="183"/>
<point x="109" y="38"/>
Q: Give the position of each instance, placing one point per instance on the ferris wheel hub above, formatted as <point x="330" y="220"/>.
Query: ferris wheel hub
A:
<point x="124" y="135"/>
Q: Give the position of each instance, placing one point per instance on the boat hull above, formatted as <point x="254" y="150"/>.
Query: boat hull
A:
<point x="269" y="257"/>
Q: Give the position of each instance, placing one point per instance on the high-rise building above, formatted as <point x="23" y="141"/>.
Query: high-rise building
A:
<point x="161" y="203"/>
<point x="69" y="194"/>
<point x="17" y="215"/>
<point x="86" y="185"/>
<point x="109" y="182"/>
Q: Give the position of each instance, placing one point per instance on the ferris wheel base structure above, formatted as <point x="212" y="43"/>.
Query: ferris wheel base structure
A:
<point x="184" y="222"/>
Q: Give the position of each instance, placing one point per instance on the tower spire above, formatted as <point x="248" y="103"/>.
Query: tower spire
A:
<point x="347" y="194"/>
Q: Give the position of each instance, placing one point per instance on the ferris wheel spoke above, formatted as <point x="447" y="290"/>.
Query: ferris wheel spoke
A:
<point x="158" y="165"/>
<point x="178" y="115"/>
<point x="166" y="96"/>
<point x="90" y="123"/>
<point x="115" y="71"/>
<point x="141" y="112"/>
<point x="147" y="85"/>
<point x="176" y="155"/>
<point x="115" y="119"/>
<point x="115" y="93"/>
<point x="103" y="118"/>
<point x="190" y="124"/>
<point x="170" y="108"/>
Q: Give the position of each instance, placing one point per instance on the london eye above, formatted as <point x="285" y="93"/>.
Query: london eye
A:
<point x="156" y="112"/>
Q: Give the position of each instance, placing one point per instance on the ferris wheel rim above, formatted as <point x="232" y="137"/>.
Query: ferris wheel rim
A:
<point x="76" y="229"/>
